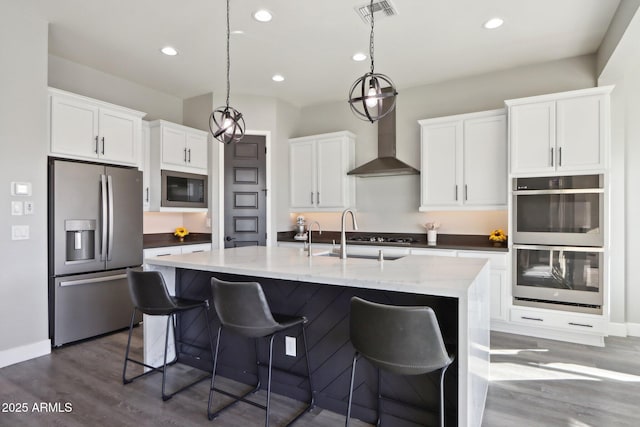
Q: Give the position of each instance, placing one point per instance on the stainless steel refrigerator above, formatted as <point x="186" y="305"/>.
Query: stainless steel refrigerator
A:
<point x="95" y="234"/>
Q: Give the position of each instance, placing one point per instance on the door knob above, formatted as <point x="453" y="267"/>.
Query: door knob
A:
<point x="228" y="239"/>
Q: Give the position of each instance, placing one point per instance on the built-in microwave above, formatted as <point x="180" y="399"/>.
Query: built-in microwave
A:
<point x="183" y="190"/>
<point x="559" y="210"/>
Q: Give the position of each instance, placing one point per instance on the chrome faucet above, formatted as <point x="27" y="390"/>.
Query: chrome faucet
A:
<point x="343" y="236"/>
<point x="309" y="231"/>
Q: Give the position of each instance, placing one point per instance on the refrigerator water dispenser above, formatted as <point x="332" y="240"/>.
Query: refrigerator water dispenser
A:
<point x="81" y="235"/>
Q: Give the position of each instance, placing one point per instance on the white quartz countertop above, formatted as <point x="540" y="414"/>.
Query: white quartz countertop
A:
<point x="421" y="274"/>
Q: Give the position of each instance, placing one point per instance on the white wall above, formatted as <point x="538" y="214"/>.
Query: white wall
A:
<point x="632" y="181"/>
<point x="391" y="204"/>
<point x="23" y="157"/>
<point x="83" y="80"/>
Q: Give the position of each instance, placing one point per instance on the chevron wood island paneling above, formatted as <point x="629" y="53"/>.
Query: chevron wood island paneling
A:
<point x="331" y="353"/>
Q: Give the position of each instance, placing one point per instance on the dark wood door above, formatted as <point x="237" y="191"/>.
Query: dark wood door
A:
<point x="245" y="193"/>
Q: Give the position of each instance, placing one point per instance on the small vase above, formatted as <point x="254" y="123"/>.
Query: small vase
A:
<point x="498" y="244"/>
<point x="181" y="239"/>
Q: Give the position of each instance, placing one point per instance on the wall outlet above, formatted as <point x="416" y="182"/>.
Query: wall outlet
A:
<point x="290" y="346"/>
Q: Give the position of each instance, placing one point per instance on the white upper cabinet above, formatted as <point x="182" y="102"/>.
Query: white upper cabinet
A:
<point x="89" y="129"/>
<point x="464" y="161"/>
<point x="558" y="133"/>
<point x="179" y="147"/>
<point x="145" y="165"/>
<point x="318" y="167"/>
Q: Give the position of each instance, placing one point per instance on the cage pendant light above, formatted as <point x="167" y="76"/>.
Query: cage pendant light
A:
<point x="366" y="93"/>
<point x="226" y="123"/>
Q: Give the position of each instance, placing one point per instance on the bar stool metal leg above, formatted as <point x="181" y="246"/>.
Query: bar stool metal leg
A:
<point x="165" y="397"/>
<point x="379" y="421"/>
<point x="266" y="422"/>
<point x="442" y="371"/>
<point x="353" y="375"/>
<point x="126" y="354"/>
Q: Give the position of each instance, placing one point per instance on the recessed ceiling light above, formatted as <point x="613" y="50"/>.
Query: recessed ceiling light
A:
<point x="237" y="32"/>
<point x="169" y="51"/>
<point x="262" y="15"/>
<point x="493" y="23"/>
<point x="277" y="78"/>
<point x="359" y="57"/>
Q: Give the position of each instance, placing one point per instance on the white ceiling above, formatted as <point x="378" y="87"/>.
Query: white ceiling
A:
<point x="311" y="42"/>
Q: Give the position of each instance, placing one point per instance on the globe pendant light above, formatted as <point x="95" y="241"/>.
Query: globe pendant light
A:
<point x="366" y="93"/>
<point x="226" y="123"/>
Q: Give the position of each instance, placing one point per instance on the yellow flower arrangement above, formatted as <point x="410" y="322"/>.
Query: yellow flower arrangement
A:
<point x="497" y="236"/>
<point x="181" y="232"/>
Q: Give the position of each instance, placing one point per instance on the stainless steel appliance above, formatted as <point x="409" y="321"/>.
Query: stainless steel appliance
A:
<point x="95" y="233"/>
<point x="183" y="190"/>
<point x="559" y="210"/>
<point x="549" y="276"/>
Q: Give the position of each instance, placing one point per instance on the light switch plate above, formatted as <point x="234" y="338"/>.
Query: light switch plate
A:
<point x="16" y="208"/>
<point x="28" y="207"/>
<point x="290" y="346"/>
<point x="20" y="188"/>
<point x="19" y="232"/>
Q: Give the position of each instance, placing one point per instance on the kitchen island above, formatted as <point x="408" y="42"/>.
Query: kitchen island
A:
<point x="320" y="288"/>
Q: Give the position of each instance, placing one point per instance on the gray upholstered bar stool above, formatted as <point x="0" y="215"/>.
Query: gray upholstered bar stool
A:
<point x="149" y="295"/>
<point x="397" y="339"/>
<point x="242" y="308"/>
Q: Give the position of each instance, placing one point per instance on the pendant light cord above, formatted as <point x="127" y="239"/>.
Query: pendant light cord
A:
<point x="371" y="36"/>
<point x="228" y="57"/>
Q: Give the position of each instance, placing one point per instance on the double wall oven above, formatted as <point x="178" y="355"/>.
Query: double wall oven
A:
<point x="558" y="250"/>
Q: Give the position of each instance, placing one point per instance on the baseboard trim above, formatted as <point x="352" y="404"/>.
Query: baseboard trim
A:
<point x="617" y="329"/>
<point x="633" y="329"/>
<point x="24" y="352"/>
<point x="547" y="333"/>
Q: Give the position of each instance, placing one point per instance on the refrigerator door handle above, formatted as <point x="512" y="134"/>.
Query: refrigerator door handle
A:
<point x="93" y="280"/>
<point x="103" y="242"/>
<point x="110" y="237"/>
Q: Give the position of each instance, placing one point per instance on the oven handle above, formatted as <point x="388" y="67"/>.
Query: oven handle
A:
<point x="558" y="191"/>
<point x="560" y="248"/>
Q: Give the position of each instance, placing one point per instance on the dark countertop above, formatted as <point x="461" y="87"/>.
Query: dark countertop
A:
<point x="159" y="240"/>
<point x="472" y="242"/>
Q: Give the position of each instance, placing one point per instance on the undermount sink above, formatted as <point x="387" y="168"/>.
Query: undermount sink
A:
<point x="336" y="255"/>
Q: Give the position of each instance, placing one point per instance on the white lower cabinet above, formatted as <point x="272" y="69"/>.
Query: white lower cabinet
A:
<point x="176" y="250"/>
<point x="499" y="280"/>
<point x="575" y="322"/>
<point x="497" y="273"/>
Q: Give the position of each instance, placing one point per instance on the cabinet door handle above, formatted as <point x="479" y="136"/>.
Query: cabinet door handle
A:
<point x="312" y="197"/>
<point x="537" y="319"/>
<point x="560" y="156"/>
<point x="456" y="192"/>
<point x="185" y="155"/>
<point x="466" y="192"/>
<point x="96" y="150"/>
<point x="189" y="151"/>
<point x="147" y="194"/>
<point x="318" y="197"/>
<point x="103" y="145"/>
<point x="584" y="325"/>
<point x="551" y="156"/>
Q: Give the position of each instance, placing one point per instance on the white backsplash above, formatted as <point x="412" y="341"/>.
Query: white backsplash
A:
<point x="451" y="222"/>
<point x="166" y="222"/>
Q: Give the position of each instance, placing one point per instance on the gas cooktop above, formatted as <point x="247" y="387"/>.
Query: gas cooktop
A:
<point x="396" y="240"/>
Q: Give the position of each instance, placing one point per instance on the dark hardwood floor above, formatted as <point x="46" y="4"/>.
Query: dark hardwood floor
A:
<point x="534" y="382"/>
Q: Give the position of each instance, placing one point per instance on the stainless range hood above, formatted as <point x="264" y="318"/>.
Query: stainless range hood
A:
<point x="386" y="164"/>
